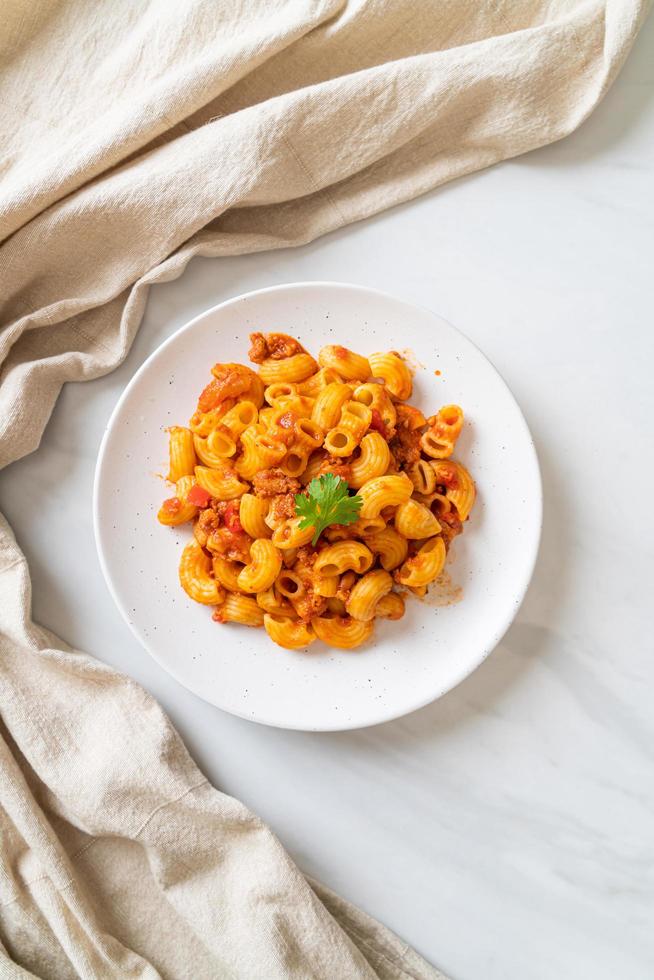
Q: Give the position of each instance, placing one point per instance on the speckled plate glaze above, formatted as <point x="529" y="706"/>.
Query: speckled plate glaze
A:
<point x="409" y="663"/>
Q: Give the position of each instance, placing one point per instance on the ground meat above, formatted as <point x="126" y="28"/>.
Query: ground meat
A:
<point x="339" y="466"/>
<point x="274" y="345"/>
<point x="305" y="558"/>
<point x="258" y="352"/>
<point x="450" y="526"/>
<point x="233" y="545"/>
<point x="405" y="447"/>
<point x="282" y="507"/>
<point x="207" y="522"/>
<point x="269" y="483"/>
<point x="310" y="605"/>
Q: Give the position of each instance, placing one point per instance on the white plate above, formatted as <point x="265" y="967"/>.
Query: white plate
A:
<point x="410" y="662"/>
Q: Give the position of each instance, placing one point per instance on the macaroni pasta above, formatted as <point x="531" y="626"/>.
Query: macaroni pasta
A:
<point x="251" y="473"/>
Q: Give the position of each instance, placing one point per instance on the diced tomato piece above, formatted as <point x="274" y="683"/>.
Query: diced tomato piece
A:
<point x="172" y="506"/>
<point x="231" y="518"/>
<point x="198" y="496"/>
<point x="377" y="423"/>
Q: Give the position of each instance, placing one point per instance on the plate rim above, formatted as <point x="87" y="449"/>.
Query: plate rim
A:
<point x="487" y="648"/>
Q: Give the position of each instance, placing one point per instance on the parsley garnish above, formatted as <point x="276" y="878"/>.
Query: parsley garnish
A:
<point x="327" y="503"/>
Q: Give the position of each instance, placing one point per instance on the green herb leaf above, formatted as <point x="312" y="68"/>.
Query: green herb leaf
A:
<point x="327" y="503"/>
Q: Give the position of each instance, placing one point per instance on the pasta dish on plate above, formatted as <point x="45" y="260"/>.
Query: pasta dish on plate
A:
<point x="319" y="498"/>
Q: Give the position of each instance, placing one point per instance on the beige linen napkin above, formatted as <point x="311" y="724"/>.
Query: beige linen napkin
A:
<point x="132" y="137"/>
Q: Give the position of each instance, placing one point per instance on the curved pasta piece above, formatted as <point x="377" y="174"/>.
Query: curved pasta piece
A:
<point x="318" y="381"/>
<point x="283" y="418"/>
<point x="290" y="585"/>
<point x="391" y="547"/>
<point x="329" y="401"/>
<point x="181" y="453"/>
<point x="279" y="393"/>
<point x="376" y="397"/>
<point x="347" y="364"/>
<point x="426" y="565"/>
<point x="384" y="491"/>
<point x="390" y="606"/>
<point x="195" y="576"/>
<point x="288" y="633"/>
<point x="394" y="373"/>
<point x="314" y="466"/>
<point x="297" y="367"/>
<point x="421" y="474"/>
<point x="343" y="556"/>
<point x="448" y="422"/>
<point x="267" y="418"/>
<point x="202" y="423"/>
<point x="373" y="461"/>
<point x="435" y="446"/>
<point x="263" y="567"/>
<point x="459" y="486"/>
<point x="325" y="585"/>
<point x="215" y="448"/>
<point x="255" y="392"/>
<point x="355" y="418"/>
<point x="340" y="442"/>
<point x="437" y="502"/>
<point x="289" y="534"/>
<point x="177" y="510"/>
<point x="223" y="484"/>
<point x="242" y="609"/>
<point x="336" y="606"/>
<point x="272" y="602"/>
<point x="366" y="593"/>
<point x="308" y="435"/>
<point x="252" y="514"/>
<point x="444" y="429"/>
<point x="294" y="462"/>
<point x="342" y="631"/>
<point x="227" y="572"/>
<point x="260" y="451"/>
<point x="237" y="419"/>
<point x="414" y="520"/>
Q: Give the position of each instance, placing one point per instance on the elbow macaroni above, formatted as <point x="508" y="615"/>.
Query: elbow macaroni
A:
<point x="414" y="520"/>
<point x="366" y="593"/>
<point x="263" y="568"/>
<point x="425" y="565"/>
<point x="346" y="364"/>
<point x="299" y="418"/>
<point x="252" y="514"/>
<point x="182" y="453"/>
<point x="373" y="461"/>
<point x="288" y="633"/>
<point x="394" y="373"/>
<point x="384" y="491"/>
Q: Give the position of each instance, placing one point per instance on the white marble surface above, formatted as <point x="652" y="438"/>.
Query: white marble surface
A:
<point x="506" y="831"/>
